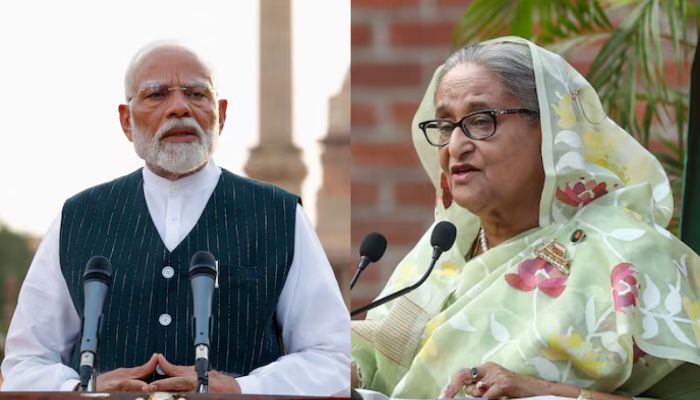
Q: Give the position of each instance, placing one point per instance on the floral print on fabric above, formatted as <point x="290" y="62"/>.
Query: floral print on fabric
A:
<point x="446" y="193"/>
<point x="538" y="273"/>
<point x="693" y="311"/>
<point x="573" y="348"/>
<point x="624" y="286"/>
<point x="565" y="111"/>
<point x="582" y="192"/>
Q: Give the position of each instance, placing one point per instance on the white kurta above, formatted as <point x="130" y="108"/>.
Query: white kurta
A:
<point x="315" y="323"/>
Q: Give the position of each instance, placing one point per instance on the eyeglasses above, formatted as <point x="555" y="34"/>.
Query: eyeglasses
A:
<point x="478" y="125"/>
<point x="156" y="93"/>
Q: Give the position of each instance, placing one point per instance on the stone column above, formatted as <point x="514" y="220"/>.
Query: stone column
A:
<point x="333" y="205"/>
<point x="276" y="159"/>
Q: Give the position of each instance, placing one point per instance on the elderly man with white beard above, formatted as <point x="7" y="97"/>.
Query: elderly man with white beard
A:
<point x="279" y="322"/>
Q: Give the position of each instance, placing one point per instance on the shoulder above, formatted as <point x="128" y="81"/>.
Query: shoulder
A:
<point x="93" y="193"/>
<point x="275" y="191"/>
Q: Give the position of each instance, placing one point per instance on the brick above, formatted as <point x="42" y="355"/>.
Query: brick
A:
<point x="361" y="35"/>
<point x="454" y="3"/>
<point x="402" y="113"/>
<point x="415" y="194"/>
<point x="386" y="74"/>
<point x="364" y="193"/>
<point x="431" y="34"/>
<point x="396" y="231"/>
<point x="383" y="154"/>
<point x="383" y="4"/>
<point x="362" y="115"/>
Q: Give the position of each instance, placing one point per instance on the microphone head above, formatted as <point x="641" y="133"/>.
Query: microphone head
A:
<point x="373" y="247"/>
<point x="98" y="268"/>
<point x="203" y="262"/>
<point x="443" y="236"/>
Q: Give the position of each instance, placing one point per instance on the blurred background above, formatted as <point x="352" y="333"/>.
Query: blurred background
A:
<point x="636" y="53"/>
<point x="283" y="69"/>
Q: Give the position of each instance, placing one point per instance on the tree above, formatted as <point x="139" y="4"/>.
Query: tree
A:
<point x="15" y="256"/>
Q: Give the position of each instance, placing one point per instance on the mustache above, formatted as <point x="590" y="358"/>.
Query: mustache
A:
<point x="186" y="122"/>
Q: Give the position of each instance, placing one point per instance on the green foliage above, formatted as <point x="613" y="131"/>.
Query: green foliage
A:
<point x="15" y="256"/>
<point x="629" y="69"/>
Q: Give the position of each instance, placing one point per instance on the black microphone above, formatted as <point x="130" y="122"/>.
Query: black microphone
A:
<point x="96" y="282"/>
<point x="371" y="250"/>
<point x="442" y="239"/>
<point x="202" y="276"/>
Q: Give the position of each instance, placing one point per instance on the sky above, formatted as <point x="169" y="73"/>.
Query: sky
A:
<point x="63" y="65"/>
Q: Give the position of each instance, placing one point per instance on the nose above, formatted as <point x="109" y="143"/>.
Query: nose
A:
<point x="177" y="105"/>
<point x="460" y="144"/>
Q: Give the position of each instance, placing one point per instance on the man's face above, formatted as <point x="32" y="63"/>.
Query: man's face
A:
<point x="173" y="117"/>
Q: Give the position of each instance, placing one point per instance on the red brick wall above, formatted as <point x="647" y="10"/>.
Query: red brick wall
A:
<point x="396" y="46"/>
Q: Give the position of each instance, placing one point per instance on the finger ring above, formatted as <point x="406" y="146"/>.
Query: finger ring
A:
<point x="482" y="386"/>
<point x="474" y="372"/>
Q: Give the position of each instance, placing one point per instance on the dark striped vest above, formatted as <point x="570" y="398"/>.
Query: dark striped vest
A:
<point x="249" y="228"/>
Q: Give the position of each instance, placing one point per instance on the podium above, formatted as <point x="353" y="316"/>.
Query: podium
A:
<point x="147" y="396"/>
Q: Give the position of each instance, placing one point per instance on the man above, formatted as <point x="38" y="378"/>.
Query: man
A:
<point x="280" y="326"/>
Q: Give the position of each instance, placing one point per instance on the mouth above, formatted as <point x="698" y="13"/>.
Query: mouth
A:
<point x="462" y="172"/>
<point x="180" y="135"/>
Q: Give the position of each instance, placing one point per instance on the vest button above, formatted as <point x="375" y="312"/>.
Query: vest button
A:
<point x="165" y="319"/>
<point x="159" y="371"/>
<point x="168" y="272"/>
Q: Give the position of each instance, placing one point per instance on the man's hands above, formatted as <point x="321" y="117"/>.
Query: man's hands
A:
<point x="180" y="379"/>
<point x="184" y="379"/>
<point x="127" y="379"/>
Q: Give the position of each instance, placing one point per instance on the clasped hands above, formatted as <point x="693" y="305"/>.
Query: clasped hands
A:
<point x="180" y="379"/>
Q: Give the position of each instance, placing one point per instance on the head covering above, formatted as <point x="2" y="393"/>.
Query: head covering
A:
<point x="621" y="315"/>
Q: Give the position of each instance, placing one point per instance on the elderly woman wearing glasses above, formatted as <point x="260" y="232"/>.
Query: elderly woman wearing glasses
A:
<point x="563" y="279"/>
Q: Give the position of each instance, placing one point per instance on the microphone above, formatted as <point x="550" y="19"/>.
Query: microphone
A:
<point x="442" y="239"/>
<point x="202" y="275"/>
<point x="96" y="282"/>
<point x="371" y="250"/>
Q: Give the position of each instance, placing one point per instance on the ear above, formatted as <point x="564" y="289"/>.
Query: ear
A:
<point x="125" y="120"/>
<point x="222" y="114"/>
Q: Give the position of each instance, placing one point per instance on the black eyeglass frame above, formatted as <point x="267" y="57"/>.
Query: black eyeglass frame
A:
<point x="495" y="112"/>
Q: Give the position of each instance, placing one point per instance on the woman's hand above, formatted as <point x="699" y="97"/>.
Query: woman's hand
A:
<point x="493" y="381"/>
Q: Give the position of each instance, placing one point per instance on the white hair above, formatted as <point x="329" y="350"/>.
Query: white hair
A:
<point x="146" y="50"/>
<point x="176" y="158"/>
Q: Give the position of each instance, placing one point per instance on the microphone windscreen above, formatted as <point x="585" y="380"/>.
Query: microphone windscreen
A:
<point x="203" y="262"/>
<point x="443" y="236"/>
<point x="373" y="247"/>
<point x="98" y="268"/>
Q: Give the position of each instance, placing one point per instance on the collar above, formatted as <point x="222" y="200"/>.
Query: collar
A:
<point x="203" y="179"/>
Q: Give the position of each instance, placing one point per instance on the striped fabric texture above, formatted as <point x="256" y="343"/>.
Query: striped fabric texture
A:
<point x="249" y="228"/>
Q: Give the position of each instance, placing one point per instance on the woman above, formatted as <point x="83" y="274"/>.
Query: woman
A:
<point x="562" y="280"/>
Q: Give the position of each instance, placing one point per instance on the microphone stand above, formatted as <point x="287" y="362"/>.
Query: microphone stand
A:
<point x="364" y="262"/>
<point x="436" y="254"/>
<point x="88" y="379"/>
<point x="201" y="366"/>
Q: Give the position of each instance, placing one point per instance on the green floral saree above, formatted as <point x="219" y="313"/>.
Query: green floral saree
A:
<point x="615" y="310"/>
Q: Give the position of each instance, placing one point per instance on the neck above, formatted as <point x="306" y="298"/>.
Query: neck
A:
<point x="500" y="227"/>
<point x="171" y="176"/>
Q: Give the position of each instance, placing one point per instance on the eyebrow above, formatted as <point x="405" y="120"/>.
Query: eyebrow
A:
<point x="194" y="82"/>
<point x="471" y="107"/>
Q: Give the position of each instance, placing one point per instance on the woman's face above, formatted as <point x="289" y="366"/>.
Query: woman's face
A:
<point x="502" y="174"/>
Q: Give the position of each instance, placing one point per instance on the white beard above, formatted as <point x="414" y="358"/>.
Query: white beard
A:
<point x="176" y="158"/>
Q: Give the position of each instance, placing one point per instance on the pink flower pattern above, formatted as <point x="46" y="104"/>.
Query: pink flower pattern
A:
<point x="624" y="286"/>
<point x="582" y="192"/>
<point x="446" y="193"/>
<point x="538" y="273"/>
